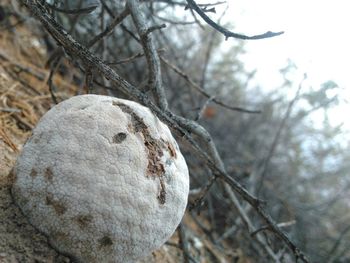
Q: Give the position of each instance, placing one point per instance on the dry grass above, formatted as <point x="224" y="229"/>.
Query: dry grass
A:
<point x="24" y="95"/>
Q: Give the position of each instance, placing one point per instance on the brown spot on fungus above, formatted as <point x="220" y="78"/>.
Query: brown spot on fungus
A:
<point x="83" y="220"/>
<point x="118" y="138"/>
<point x="154" y="147"/>
<point x="59" y="208"/>
<point x="48" y="174"/>
<point x="105" y="241"/>
<point x="11" y="178"/>
<point x="171" y="150"/>
<point x="36" y="137"/>
<point x="162" y="193"/>
<point x="33" y="173"/>
<point x="130" y="128"/>
<point x="60" y="235"/>
<point x="84" y="107"/>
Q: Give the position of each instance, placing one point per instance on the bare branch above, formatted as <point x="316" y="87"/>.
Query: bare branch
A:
<point x="274" y="144"/>
<point x="155" y="78"/>
<point x="89" y="78"/>
<point x="202" y="91"/>
<point x="173" y="22"/>
<point x="183" y="242"/>
<point x="109" y="28"/>
<point x="75" y="11"/>
<point x="192" y="4"/>
<point x="126" y="60"/>
<point x="202" y="193"/>
<point x="263" y="228"/>
<point x="153" y="28"/>
<point x="202" y="110"/>
<point x="54" y="67"/>
<point x="249" y="223"/>
<point x="337" y="243"/>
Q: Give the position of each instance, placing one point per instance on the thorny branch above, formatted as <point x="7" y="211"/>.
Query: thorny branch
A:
<point x="185" y="128"/>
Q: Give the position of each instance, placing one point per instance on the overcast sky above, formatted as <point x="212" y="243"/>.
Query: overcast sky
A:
<point x="316" y="39"/>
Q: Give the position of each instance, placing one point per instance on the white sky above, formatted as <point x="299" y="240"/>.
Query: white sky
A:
<point x="316" y="39"/>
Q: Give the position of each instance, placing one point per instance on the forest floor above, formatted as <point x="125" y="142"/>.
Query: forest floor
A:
<point x="24" y="98"/>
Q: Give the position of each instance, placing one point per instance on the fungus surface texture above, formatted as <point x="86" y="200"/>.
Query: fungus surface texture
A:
<point x="103" y="179"/>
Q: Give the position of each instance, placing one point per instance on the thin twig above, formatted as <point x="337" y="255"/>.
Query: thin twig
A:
<point x="183" y="242"/>
<point x="54" y="67"/>
<point x="173" y="3"/>
<point x="75" y="11"/>
<point x="208" y="52"/>
<point x="110" y="27"/>
<point x="202" y="194"/>
<point x="275" y="142"/>
<point x="202" y="110"/>
<point x="337" y="243"/>
<point x="153" y="28"/>
<point x="263" y="228"/>
<point x="126" y="60"/>
<point x="249" y="225"/>
<point x="192" y="4"/>
<point x="89" y="78"/>
<point x="173" y="22"/>
<point x="201" y="90"/>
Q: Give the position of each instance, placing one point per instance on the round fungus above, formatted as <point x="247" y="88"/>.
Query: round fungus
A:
<point x="103" y="179"/>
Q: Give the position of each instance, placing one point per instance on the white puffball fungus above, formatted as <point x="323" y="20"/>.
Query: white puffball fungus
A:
<point x="103" y="179"/>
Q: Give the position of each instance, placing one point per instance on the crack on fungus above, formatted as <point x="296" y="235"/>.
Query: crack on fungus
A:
<point x="118" y="138"/>
<point x="162" y="195"/>
<point x="11" y="178"/>
<point x="59" y="208"/>
<point x="48" y="175"/>
<point x="130" y="128"/>
<point x="60" y="235"/>
<point x="105" y="241"/>
<point x="83" y="107"/>
<point x="83" y="220"/>
<point x="35" y="138"/>
<point x="171" y="149"/>
<point x="154" y="148"/>
<point x="33" y="173"/>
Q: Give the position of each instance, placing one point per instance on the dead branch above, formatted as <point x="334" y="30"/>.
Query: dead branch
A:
<point x="192" y="4"/>
<point x="75" y="11"/>
<point x="183" y="127"/>
<point x="155" y="78"/>
<point x="110" y="27"/>
<point x="283" y="224"/>
<point x="274" y="144"/>
<point x="201" y="90"/>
